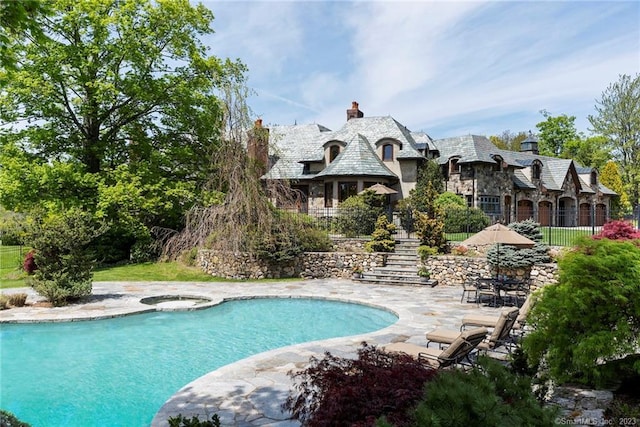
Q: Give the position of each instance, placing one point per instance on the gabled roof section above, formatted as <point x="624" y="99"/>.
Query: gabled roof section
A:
<point x="357" y="159"/>
<point x="423" y="141"/>
<point x="288" y="144"/>
<point x="470" y="149"/>
<point x="521" y="181"/>
<point x="373" y="129"/>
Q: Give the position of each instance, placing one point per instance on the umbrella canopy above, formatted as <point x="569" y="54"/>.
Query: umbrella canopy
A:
<point x="498" y="233"/>
<point x="380" y="189"/>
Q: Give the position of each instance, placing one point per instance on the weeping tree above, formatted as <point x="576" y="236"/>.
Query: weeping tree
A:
<point x="241" y="214"/>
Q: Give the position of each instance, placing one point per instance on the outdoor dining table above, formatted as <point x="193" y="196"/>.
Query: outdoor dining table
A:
<point x="499" y="285"/>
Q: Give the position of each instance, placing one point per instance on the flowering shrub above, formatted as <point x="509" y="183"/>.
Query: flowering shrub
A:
<point x="29" y="263"/>
<point x="618" y="230"/>
<point x="460" y="250"/>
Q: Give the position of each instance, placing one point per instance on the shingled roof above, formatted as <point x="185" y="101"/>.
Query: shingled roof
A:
<point x="289" y="144"/>
<point x="357" y="159"/>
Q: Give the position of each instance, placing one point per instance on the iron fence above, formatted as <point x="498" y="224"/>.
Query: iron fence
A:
<point x="560" y="227"/>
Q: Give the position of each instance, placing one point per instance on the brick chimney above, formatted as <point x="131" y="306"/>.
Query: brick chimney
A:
<point x="258" y="146"/>
<point x="354" y="111"/>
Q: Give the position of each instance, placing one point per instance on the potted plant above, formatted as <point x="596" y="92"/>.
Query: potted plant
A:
<point x="424" y="273"/>
<point x="357" y="272"/>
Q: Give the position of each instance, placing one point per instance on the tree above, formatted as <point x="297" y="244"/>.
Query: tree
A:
<point x="591" y="152"/>
<point x="618" y="120"/>
<point x="508" y="140"/>
<point x="555" y="132"/>
<point x="610" y="178"/>
<point x="19" y="16"/>
<point x="117" y="96"/>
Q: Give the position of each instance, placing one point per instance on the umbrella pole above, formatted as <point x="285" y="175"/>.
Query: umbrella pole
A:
<point x="498" y="266"/>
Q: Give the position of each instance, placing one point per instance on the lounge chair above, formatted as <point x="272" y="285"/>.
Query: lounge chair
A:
<point x="499" y="335"/>
<point x="459" y="349"/>
<point x="488" y="321"/>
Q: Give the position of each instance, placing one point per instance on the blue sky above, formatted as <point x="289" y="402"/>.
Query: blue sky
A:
<point x="446" y="68"/>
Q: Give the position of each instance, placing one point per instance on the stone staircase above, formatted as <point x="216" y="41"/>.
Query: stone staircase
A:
<point x="401" y="267"/>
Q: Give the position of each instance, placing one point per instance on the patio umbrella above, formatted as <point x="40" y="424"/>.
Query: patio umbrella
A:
<point x="380" y="189"/>
<point x="499" y="234"/>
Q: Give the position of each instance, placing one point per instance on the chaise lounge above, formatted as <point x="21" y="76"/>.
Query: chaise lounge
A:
<point x="459" y="349"/>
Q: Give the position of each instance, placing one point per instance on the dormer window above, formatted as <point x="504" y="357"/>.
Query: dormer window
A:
<point x="536" y="170"/>
<point x="594" y="178"/>
<point x="334" y="150"/>
<point x="498" y="165"/>
<point x="387" y="152"/>
<point x="454" y="166"/>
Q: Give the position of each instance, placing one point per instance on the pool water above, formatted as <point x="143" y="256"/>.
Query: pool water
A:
<point x="119" y="372"/>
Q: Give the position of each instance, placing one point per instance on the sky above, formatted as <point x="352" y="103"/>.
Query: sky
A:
<point x="448" y="68"/>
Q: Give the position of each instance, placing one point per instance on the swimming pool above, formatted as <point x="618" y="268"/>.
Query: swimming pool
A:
<point x="119" y="372"/>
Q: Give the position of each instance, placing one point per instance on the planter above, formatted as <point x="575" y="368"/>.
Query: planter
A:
<point x="426" y="281"/>
<point x="357" y="275"/>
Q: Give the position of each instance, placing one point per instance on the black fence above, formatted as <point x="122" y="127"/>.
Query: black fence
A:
<point x="560" y="228"/>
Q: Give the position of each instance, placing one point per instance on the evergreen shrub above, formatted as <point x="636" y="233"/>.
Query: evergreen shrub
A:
<point x="61" y="251"/>
<point x="510" y="257"/>
<point x="382" y="237"/>
<point x="488" y="395"/>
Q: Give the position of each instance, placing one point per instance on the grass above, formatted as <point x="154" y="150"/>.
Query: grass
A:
<point x="153" y="271"/>
<point x="12" y="276"/>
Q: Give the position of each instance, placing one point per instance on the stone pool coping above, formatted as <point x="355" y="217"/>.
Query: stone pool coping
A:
<point x="249" y="392"/>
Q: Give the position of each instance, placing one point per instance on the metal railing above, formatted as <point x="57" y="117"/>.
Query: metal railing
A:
<point x="354" y="222"/>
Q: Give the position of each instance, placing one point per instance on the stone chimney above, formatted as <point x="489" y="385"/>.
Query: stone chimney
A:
<point x="258" y="146"/>
<point x="354" y="111"/>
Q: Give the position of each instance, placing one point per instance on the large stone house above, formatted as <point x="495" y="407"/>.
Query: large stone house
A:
<point x="326" y="167"/>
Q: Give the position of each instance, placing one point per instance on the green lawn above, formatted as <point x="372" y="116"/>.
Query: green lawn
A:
<point x="12" y="276"/>
<point x="150" y="271"/>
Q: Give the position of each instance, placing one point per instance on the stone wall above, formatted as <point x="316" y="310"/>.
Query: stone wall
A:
<point x="310" y="265"/>
<point x="446" y="269"/>
<point x="453" y="270"/>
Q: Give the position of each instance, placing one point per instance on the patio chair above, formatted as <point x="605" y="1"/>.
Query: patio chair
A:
<point x="459" y="350"/>
<point x="486" y="288"/>
<point x="518" y="292"/>
<point x="500" y="335"/>
<point x="469" y="287"/>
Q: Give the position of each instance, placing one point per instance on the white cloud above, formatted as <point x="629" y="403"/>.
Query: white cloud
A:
<point x="449" y="66"/>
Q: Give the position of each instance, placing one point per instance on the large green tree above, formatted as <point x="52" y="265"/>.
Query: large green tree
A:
<point x="618" y="119"/>
<point x="555" y="132"/>
<point x="591" y="151"/>
<point x="115" y="109"/>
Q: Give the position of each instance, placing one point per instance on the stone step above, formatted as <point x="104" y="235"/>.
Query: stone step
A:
<point x="416" y="282"/>
<point x="405" y="262"/>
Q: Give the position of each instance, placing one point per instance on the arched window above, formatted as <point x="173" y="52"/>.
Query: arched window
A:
<point x="333" y="152"/>
<point x="454" y="166"/>
<point x="387" y="152"/>
<point x="535" y="171"/>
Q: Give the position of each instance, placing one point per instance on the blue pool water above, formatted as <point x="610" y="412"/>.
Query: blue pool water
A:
<point x="119" y="372"/>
